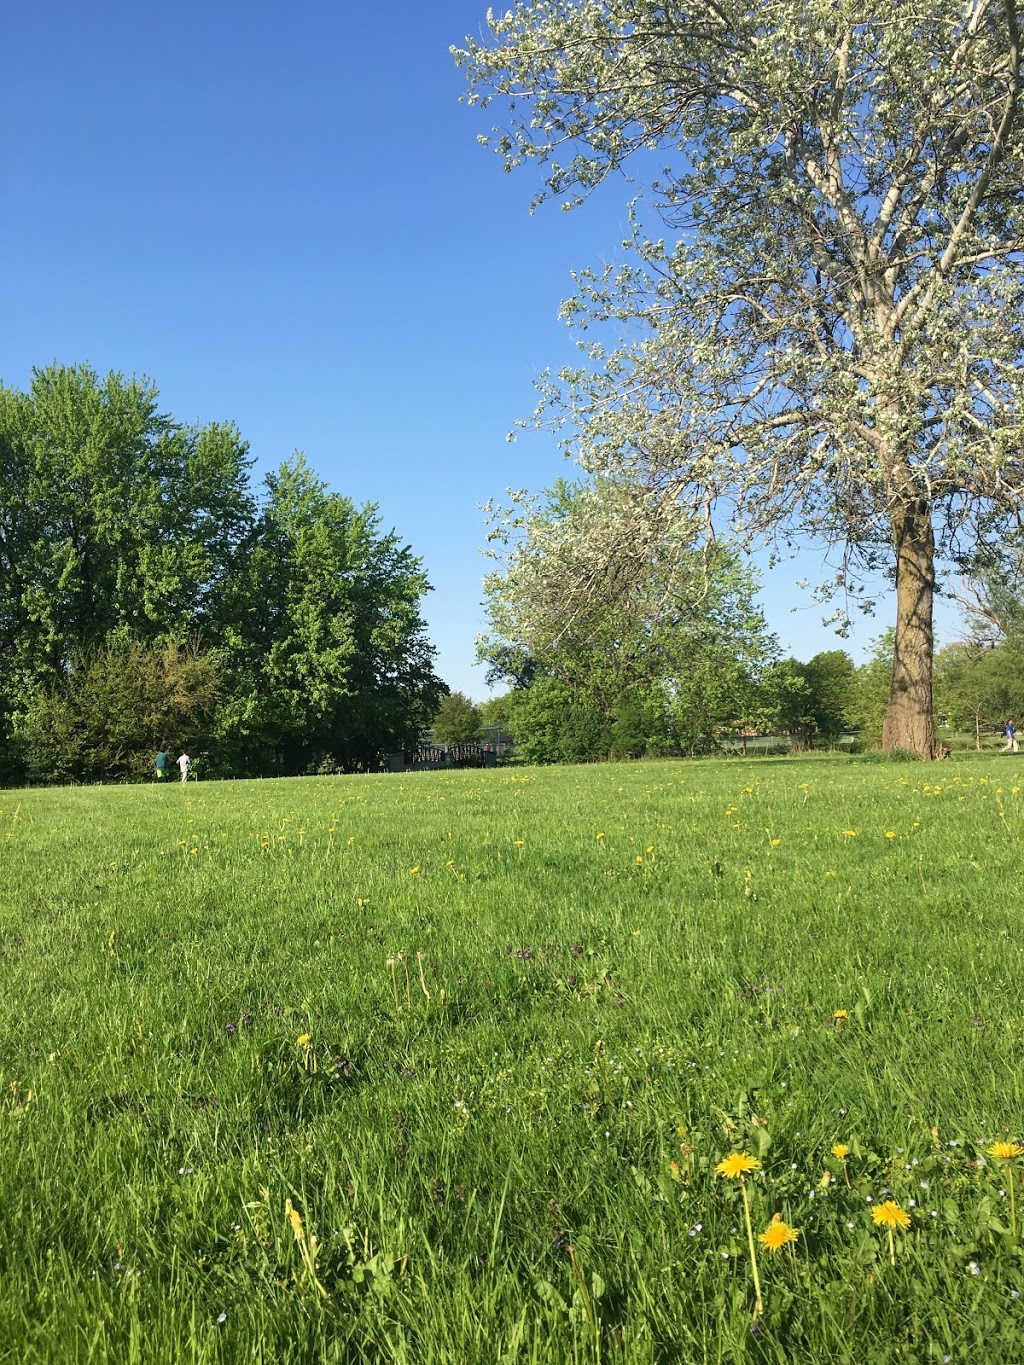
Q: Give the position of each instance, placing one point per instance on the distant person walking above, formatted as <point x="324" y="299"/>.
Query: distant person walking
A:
<point x="161" y="765"/>
<point x="184" y="763"/>
<point x="1011" y="745"/>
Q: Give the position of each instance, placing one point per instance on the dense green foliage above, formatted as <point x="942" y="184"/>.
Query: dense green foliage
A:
<point x="979" y="679"/>
<point x="116" y="707"/>
<point x="458" y="720"/>
<point x="464" y="1022"/>
<point x="148" y="595"/>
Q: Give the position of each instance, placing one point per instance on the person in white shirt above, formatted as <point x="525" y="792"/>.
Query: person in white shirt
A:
<point x="184" y="763"/>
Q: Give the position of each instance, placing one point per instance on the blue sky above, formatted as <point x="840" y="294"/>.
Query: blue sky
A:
<point x="282" y="215"/>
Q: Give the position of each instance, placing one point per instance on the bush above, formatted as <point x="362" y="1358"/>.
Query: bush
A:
<point x="118" y="704"/>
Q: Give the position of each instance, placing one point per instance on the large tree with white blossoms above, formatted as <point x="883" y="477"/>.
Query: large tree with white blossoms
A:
<point x="830" y="342"/>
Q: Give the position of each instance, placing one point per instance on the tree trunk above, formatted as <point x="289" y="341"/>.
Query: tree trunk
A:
<point x="909" y="723"/>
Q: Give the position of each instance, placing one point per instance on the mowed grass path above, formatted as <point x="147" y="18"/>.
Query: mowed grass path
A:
<point x="465" y="1022"/>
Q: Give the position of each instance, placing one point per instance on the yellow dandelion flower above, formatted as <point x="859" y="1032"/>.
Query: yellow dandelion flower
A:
<point x="650" y="848"/>
<point x="598" y="836"/>
<point x="414" y="870"/>
<point x="841" y="1014"/>
<point x="778" y="1235"/>
<point x="890" y="1215"/>
<point x="302" y="1039"/>
<point x="519" y="842"/>
<point x="776" y="843"/>
<point x="639" y="858"/>
<point x="890" y="834"/>
<point x="850" y="833"/>
<point x="1005" y="1151"/>
<point x="738" y="1165"/>
<point x="841" y="1151"/>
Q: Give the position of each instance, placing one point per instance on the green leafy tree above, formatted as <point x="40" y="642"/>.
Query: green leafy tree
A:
<point x="325" y="648"/>
<point x="603" y="587"/>
<point x="870" y="692"/>
<point x="118" y="517"/>
<point x="829" y="343"/>
<point x="829" y="677"/>
<point x="497" y="710"/>
<point x="113" y="518"/>
<point x="781" y="701"/>
<point x="979" y="688"/>
<point x="552" y="723"/>
<point x="458" y="720"/>
<point x="642" y="725"/>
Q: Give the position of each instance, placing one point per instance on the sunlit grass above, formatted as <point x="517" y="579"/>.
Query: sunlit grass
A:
<point x="465" y="1022"/>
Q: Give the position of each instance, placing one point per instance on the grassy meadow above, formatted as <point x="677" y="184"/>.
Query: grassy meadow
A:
<point x="440" y="1067"/>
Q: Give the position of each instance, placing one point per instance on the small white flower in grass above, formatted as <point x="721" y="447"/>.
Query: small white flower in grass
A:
<point x="973" y="1267"/>
<point x="222" y="1318"/>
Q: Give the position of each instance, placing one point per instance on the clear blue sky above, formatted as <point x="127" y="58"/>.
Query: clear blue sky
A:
<point x="281" y="214"/>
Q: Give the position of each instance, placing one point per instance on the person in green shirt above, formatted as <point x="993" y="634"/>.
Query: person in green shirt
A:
<point x="161" y="765"/>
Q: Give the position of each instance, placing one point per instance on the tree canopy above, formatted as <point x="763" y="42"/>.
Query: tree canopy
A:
<point x="830" y="342"/>
<point x="148" y="595"/>
<point x="458" y="720"/>
<point x="624" y="631"/>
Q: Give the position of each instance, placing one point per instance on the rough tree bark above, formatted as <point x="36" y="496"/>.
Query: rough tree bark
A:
<point x="909" y="723"/>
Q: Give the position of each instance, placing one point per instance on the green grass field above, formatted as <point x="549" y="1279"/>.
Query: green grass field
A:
<point x="439" y="1068"/>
